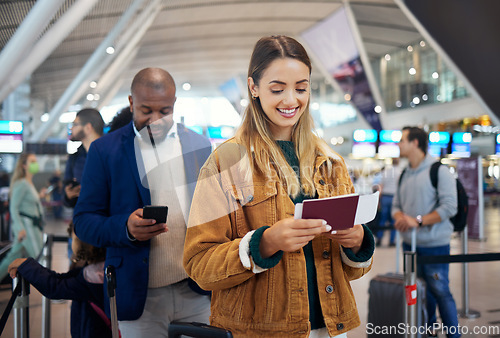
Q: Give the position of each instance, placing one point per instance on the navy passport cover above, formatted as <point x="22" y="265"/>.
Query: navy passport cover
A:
<point x="339" y="212"/>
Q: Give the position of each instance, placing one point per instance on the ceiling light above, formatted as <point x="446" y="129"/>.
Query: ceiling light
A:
<point x="412" y="71"/>
<point x="44" y="117"/>
<point x="96" y="97"/>
<point x="387" y="57"/>
<point x="90" y="97"/>
<point x="378" y="109"/>
<point x="416" y="100"/>
<point x="186" y="86"/>
<point x="422" y="43"/>
<point x="347" y="97"/>
<point x="244" y="102"/>
<point x="110" y="50"/>
<point x="93" y="84"/>
<point x="67" y="117"/>
<point x="315" y="106"/>
<point x="410" y="49"/>
<point x="435" y="75"/>
<point x="434" y="137"/>
<point x="359" y="135"/>
<point x="396" y="135"/>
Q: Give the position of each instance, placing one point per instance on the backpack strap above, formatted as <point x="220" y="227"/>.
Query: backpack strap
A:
<point x="434" y="173"/>
<point x="399" y="183"/>
<point x="401" y="176"/>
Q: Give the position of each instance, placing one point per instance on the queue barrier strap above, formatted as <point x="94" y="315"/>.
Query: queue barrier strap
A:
<point x="439" y="259"/>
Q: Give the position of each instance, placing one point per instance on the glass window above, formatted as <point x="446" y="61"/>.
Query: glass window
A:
<point x="416" y="75"/>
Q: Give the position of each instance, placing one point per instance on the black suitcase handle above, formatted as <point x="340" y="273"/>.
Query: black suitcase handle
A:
<point x="198" y="330"/>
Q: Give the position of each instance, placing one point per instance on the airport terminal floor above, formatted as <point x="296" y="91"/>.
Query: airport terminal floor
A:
<point x="484" y="285"/>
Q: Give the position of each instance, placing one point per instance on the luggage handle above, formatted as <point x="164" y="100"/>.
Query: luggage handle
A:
<point x="399" y="246"/>
<point x="194" y="329"/>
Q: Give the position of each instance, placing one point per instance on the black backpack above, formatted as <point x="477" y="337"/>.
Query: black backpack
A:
<point x="459" y="221"/>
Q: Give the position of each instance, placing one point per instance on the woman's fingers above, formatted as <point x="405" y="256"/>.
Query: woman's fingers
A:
<point x="292" y="234"/>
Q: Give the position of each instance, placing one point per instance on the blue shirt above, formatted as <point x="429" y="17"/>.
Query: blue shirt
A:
<point x="74" y="172"/>
<point x="416" y="196"/>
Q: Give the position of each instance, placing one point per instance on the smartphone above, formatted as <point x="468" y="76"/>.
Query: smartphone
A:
<point x="156" y="212"/>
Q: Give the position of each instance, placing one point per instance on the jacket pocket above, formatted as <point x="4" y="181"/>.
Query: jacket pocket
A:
<point x="115" y="261"/>
<point x="230" y="301"/>
<point x="256" y="206"/>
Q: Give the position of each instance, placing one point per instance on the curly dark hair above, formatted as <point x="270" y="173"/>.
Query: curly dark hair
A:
<point x="121" y="119"/>
<point x="86" y="252"/>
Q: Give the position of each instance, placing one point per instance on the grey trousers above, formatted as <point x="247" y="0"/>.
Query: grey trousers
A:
<point x="163" y="305"/>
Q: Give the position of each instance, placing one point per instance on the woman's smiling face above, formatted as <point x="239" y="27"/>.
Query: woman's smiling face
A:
<point x="283" y="92"/>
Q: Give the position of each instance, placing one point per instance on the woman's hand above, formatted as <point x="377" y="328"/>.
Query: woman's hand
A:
<point x="350" y="238"/>
<point x="21" y="235"/>
<point x="290" y="235"/>
<point x="12" y="269"/>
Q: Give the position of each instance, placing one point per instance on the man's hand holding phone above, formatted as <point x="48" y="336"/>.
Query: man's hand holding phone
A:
<point x="72" y="189"/>
<point x="143" y="224"/>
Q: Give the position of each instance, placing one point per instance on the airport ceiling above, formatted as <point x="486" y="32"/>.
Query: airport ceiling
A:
<point x="201" y="42"/>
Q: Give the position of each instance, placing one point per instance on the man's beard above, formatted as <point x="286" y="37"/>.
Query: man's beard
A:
<point x="78" y="136"/>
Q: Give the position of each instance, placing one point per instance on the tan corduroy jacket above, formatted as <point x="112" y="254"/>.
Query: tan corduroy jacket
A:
<point x="226" y="206"/>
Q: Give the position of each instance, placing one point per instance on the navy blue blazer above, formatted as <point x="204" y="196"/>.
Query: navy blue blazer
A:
<point x="111" y="191"/>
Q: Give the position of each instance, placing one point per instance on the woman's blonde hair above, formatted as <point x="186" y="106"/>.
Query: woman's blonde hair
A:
<point x="19" y="171"/>
<point x="254" y="132"/>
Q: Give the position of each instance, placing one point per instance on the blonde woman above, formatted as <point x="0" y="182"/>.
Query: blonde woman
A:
<point x="272" y="275"/>
<point x="26" y="213"/>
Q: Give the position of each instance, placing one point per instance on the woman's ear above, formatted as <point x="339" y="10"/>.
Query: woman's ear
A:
<point x="253" y="87"/>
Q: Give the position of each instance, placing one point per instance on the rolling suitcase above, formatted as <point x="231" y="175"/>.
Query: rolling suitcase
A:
<point x="386" y="307"/>
<point x="387" y="304"/>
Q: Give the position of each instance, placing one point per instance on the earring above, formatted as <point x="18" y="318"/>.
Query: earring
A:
<point x="254" y="97"/>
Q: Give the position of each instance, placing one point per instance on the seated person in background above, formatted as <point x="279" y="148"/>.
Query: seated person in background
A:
<point x="82" y="285"/>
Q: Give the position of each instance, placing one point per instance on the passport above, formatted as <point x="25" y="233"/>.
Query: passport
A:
<point x="340" y="212"/>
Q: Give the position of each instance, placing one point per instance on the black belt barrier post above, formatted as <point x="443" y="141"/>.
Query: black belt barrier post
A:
<point x="21" y="309"/>
<point x="46" y="261"/>
<point x="465" y="312"/>
<point x="410" y="279"/>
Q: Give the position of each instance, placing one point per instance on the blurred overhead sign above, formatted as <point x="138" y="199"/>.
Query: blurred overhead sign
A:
<point x="333" y="43"/>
